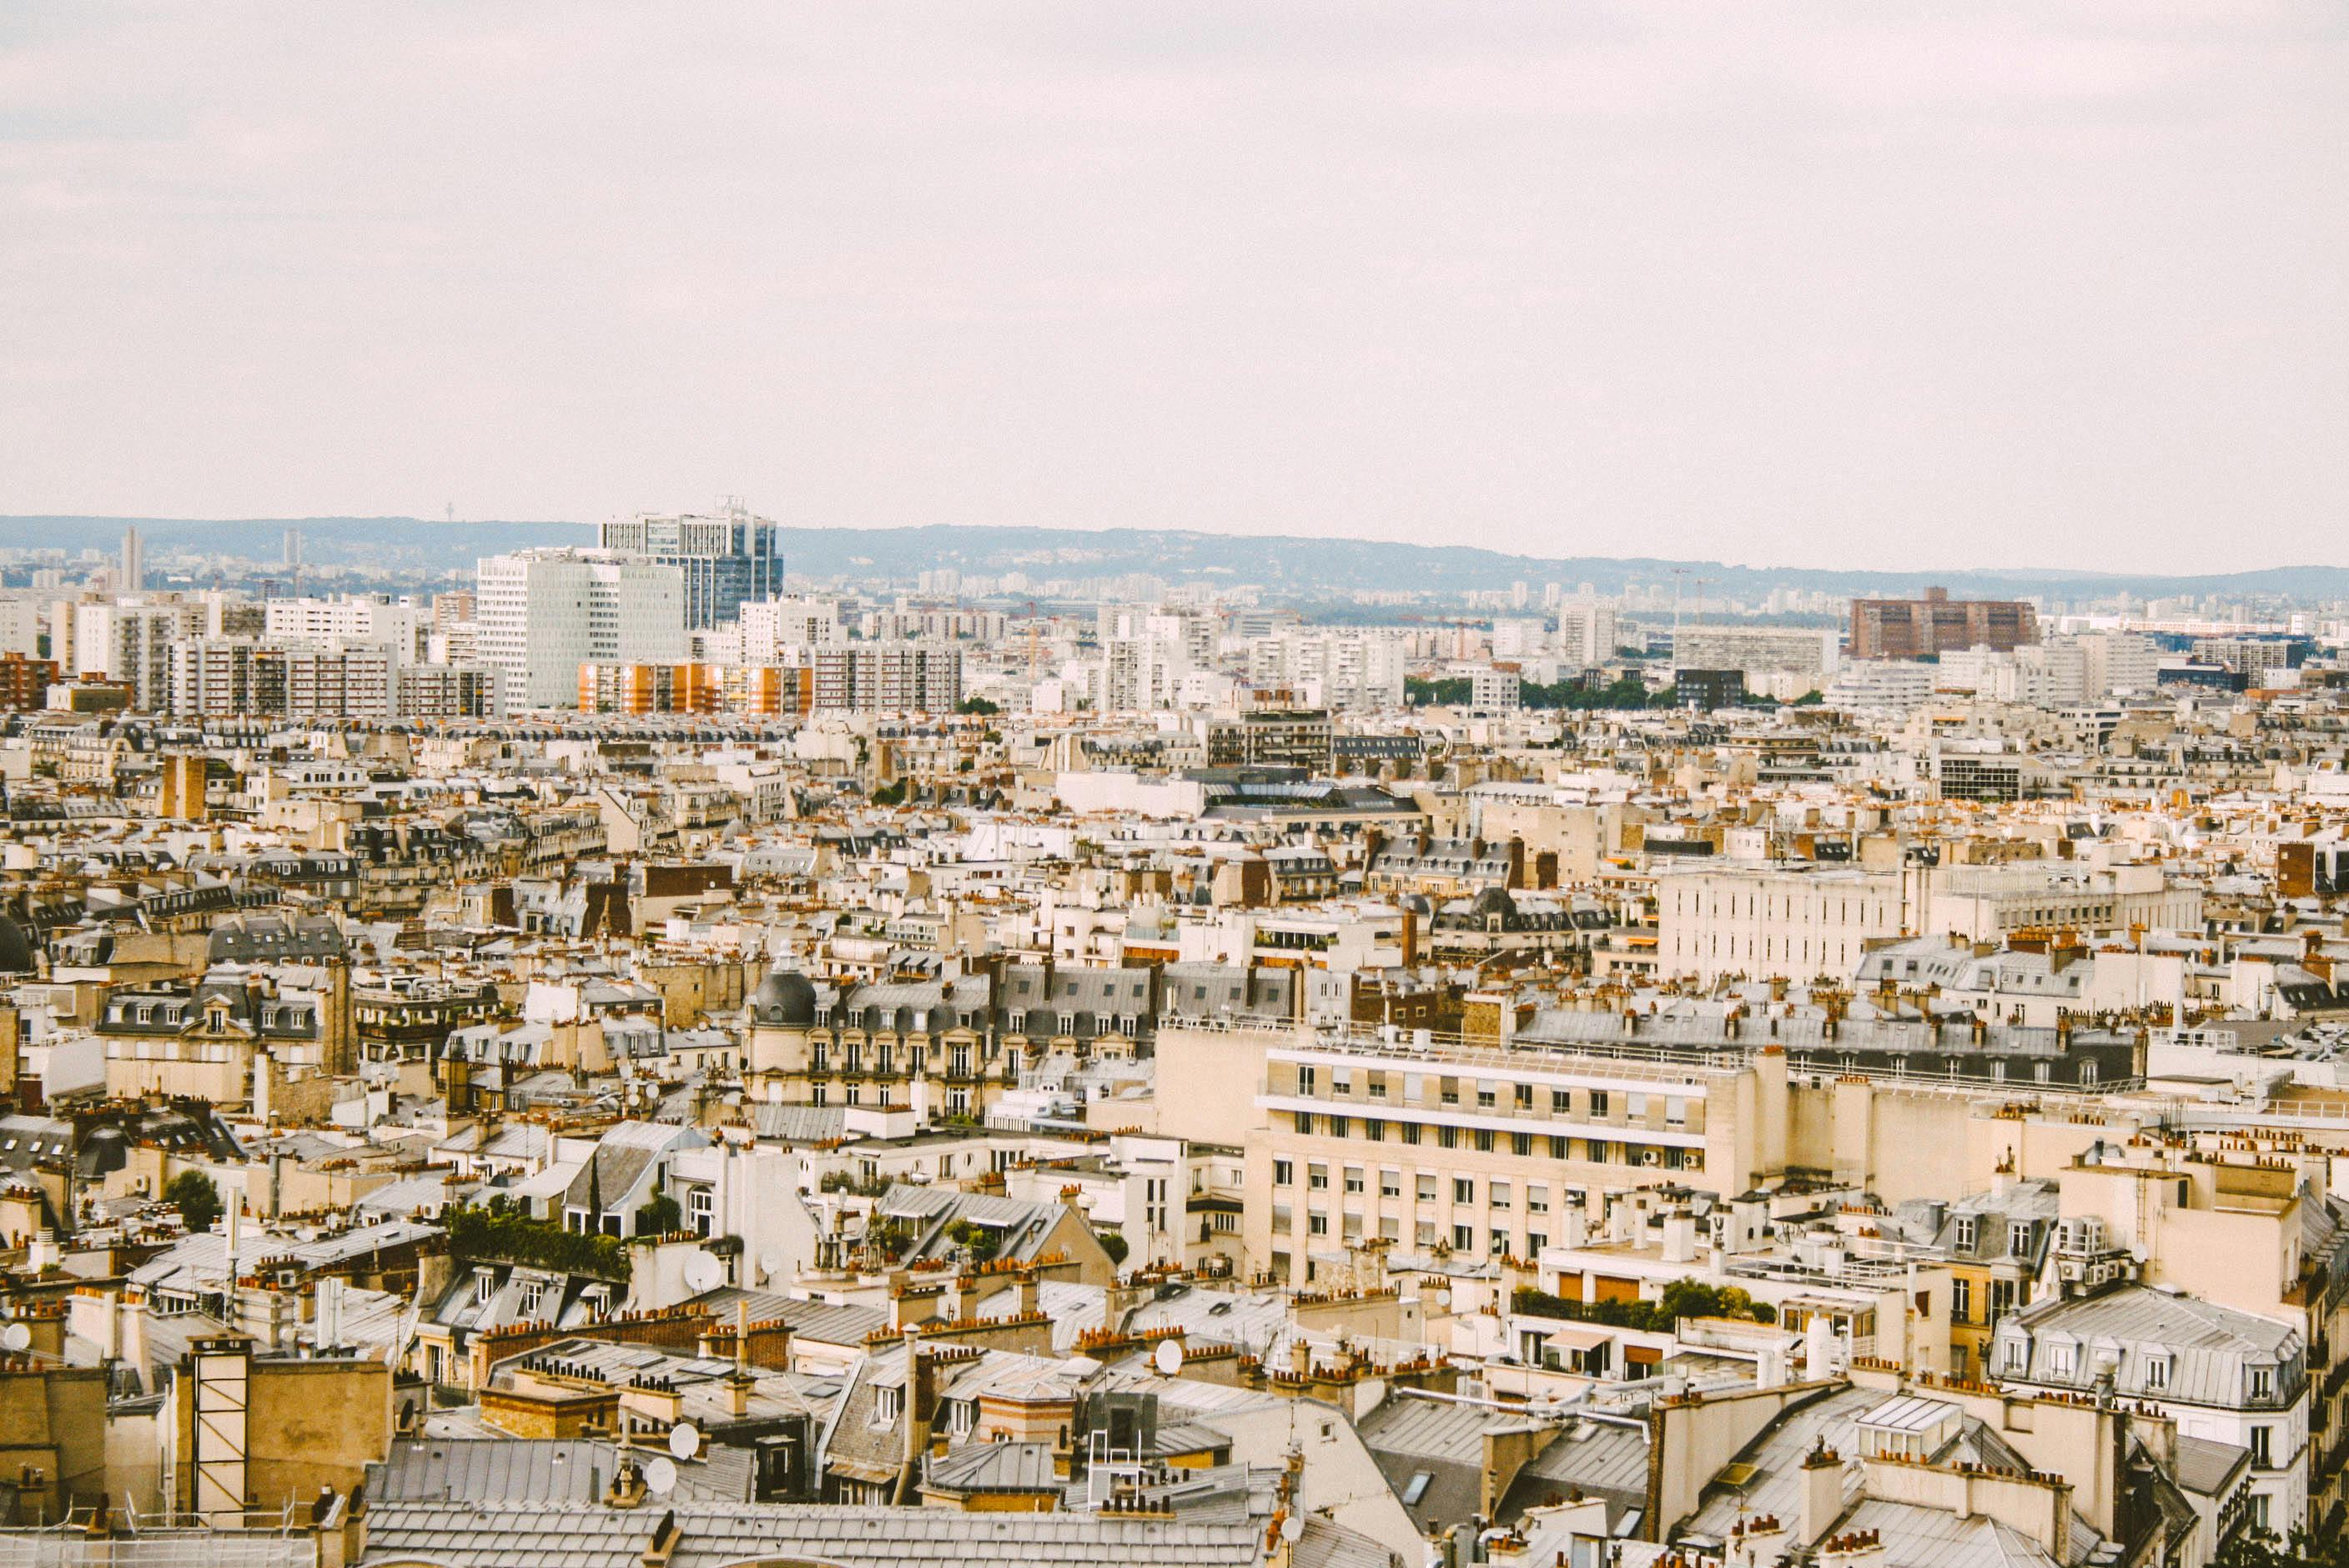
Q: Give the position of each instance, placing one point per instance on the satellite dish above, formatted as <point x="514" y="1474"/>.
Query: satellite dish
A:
<point x="661" y="1476"/>
<point x="1167" y="1357"/>
<point x="16" y="1337"/>
<point x="684" y="1440"/>
<point x="1293" y="1528"/>
<point x="771" y="1265"/>
<point x="703" y="1272"/>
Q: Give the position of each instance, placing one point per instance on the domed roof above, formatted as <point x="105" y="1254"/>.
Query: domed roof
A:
<point x="785" y="997"/>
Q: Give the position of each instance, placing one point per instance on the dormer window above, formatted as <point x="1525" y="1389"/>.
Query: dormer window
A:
<point x="886" y="1403"/>
<point x="2063" y="1359"/>
<point x="2157" y="1372"/>
<point x="2262" y="1382"/>
<point x="1965" y="1234"/>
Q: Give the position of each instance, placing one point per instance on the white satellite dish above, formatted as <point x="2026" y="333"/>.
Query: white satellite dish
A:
<point x="661" y="1476"/>
<point x="771" y="1266"/>
<point x="1293" y="1528"/>
<point x="703" y="1272"/>
<point x="684" y="1440"/>
<point x="1167" y="1357"/>
<point x="16" y="1337"/>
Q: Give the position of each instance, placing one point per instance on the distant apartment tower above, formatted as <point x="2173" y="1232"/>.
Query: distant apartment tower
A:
<point x="1587" y="635"/>
<point x="726" y="561"/>
<point x="346" y="618"/>
<point x="1927" y="627"/>
<point x="134" y="563"/>
<point x="888" y="677"/>
<point x="542" y="614"/>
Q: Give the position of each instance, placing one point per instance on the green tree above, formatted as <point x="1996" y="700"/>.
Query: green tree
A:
<point x="1449" y="692"/>
<point x="661" y="1216"/>
<point x="198" y="1200"/>
<point x="2263" y="1549"/>
<point x="1114" y="1245"/>
<point x="978" y="705"/>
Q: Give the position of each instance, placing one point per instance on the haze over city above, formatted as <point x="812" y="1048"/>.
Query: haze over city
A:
<point x="1877" y="285"/>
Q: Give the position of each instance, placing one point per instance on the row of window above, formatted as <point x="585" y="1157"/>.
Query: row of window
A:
<point x="1485" y="1140"/>
<point x="1463" y="1238"/>
<point x="1500" y="1193"/>
<point x="1596" y="1103"/>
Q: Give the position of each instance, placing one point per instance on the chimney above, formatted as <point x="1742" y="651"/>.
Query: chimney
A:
<point x="1680" y="1236"/>
<point x="739" y="1382"/>
<point x="1822" y="1492"/>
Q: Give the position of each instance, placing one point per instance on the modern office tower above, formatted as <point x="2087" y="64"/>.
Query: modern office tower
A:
<point x="1916" y="628"/>
<point x="727" y="560"/>
<point x="542" y="614"/>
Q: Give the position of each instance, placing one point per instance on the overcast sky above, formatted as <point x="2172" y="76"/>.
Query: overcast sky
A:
<point x="1875" y="283"/>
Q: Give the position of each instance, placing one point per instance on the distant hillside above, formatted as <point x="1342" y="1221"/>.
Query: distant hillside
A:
<point x="1290" y="568"/>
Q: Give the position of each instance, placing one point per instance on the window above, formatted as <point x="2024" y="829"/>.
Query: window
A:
<point x="2157" y="1372"/>
<point x="1521" y="1144"/>
<point x="1353" y="1178"/>
<point x="1963" y="1236"/>
<point x="1284" y="1175"/>
<point x="1448" y="1137"/>
<point x="1498" y="1194"/>
<point x="1305" y="1080"/>
<point x="1464" y="1191"/>
<point x="2018" y="1356"/>
<point x="2262" y="1382"/>
<point x="2263" y="1448"/>
<point x="1390" y="1183"/>
<point x="1426" y="1189"/>
<point x="1500" y="1247"/>
<point x="1317" y="1177"/>
<point x="2063" y="1360"/>
<point x="1463" y="1238"/>
<point x="1561" y="1100"/>
<point x="1339" y="1127"/>
<point x="1962" y="1301"/>
<point x="2018" y="1238"/>
<point x="701" y="1204"/>
<point x="885" y="1404"/>
<point x="1411" y="1132"/>
<point x="1316" y="1224"/>
<point x="1536" y="1198"/>
<point x="1598" y="1102"/>
<point x="1558" y="1144"/>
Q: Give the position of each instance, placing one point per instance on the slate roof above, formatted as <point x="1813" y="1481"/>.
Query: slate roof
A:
<point x="553" y="1535"/>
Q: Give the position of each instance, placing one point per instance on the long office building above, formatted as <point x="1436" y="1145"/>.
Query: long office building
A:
<point x="542" y="614"/>
<point x="1937" y="623"/>
<point x="725" y="561"/>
